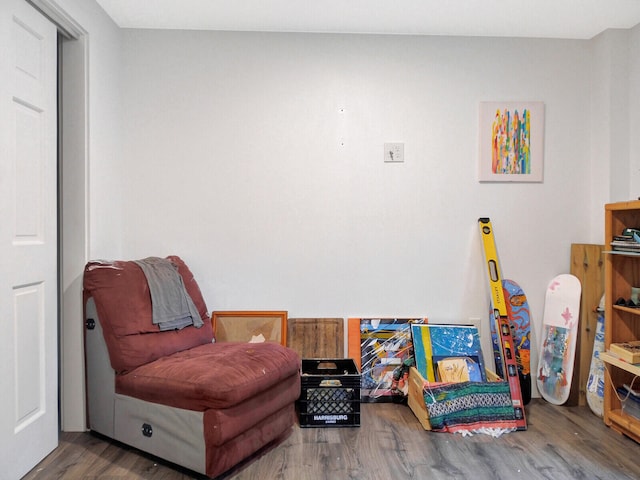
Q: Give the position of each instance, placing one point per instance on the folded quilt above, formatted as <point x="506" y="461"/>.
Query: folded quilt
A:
<point x="470" y="407"/>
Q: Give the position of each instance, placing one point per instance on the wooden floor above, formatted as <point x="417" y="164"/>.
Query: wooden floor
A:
<point x="560" y="443"/>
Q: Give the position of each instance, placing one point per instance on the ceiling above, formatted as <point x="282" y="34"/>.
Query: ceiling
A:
<point x="576" y="19"/>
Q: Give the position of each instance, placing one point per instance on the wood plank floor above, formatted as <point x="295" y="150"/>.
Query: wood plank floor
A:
<point x="560" y="443"/>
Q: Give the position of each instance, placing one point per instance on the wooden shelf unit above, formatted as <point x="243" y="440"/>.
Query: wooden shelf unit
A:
<point x="622" y="324"/>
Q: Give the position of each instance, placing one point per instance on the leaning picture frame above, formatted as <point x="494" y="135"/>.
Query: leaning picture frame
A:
<point x="378" y="347"/>
<point x="511" y="141"/>
<point x="250" y="326"/>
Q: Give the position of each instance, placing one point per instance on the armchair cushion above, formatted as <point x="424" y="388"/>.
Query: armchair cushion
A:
<point x="123" y="304"/>
<point x="215" y="375"/>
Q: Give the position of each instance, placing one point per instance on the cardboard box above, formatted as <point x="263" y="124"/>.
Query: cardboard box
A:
<point x="627" y="351"/>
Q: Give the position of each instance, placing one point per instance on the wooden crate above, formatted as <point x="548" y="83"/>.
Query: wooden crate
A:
<point x="416" y="398"/>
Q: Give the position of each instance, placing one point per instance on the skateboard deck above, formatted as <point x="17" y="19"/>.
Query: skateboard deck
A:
<point x="559" y="335"/>
<point x="595" y="383"/>
<point x="520" y="321"/>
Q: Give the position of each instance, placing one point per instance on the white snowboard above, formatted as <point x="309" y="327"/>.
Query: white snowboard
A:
<point x="595" y="383"/>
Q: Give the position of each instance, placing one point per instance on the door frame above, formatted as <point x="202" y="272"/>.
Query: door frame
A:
<point x="73" y="209"/>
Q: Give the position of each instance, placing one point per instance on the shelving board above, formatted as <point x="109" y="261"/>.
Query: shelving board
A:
<point x="611" y="359"/>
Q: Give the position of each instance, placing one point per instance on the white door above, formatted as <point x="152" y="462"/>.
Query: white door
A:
<point x="28" y="243"/>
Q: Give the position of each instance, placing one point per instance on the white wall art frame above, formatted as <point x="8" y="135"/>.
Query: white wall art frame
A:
<point x="511" y="141"/>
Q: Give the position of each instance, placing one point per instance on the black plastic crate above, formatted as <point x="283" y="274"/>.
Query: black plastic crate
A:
<point x="330" y="393"/>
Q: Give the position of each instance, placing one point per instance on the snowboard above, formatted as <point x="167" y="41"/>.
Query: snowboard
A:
<point x="595" y="383"/>
<point x="559" y="334"/>
<point x="520" y="321"/>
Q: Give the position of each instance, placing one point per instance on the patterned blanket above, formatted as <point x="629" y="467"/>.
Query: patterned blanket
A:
<point x="470" y="407"/>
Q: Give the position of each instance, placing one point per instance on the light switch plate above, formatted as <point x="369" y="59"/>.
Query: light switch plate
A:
<point x="394" y="152"/>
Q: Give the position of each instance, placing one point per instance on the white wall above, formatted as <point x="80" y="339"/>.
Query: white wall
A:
<point x="634" y="111"/>
<point x="258" y="158"/>
<point x="234" y="161"/>
<point x="610" y="116"/>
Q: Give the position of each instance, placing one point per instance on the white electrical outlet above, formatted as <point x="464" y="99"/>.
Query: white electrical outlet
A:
<point x="394" y="152"/>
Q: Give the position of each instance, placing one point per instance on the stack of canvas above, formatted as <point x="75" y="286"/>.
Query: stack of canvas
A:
<point x="448" y="353"/>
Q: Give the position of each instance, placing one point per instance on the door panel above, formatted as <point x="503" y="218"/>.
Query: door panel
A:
<point x="28" y="174"/>
<point x="28" y="239"/>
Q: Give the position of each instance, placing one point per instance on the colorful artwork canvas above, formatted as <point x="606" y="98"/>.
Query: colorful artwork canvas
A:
<point x="511" y="136"/>
<point x="379" y="346"/>
<point x="435" y="343"/>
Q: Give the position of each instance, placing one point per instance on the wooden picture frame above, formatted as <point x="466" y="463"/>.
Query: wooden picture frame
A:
<point x="250" y="326"/>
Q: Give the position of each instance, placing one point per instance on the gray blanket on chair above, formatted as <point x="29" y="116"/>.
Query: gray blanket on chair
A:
<point x="172" y="307"/>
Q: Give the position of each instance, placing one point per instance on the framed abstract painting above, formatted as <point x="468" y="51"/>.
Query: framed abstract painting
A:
<point x="511" y="142"/>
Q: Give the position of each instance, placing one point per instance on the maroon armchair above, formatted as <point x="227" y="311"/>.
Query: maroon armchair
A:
<point x="178" y="394"/>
